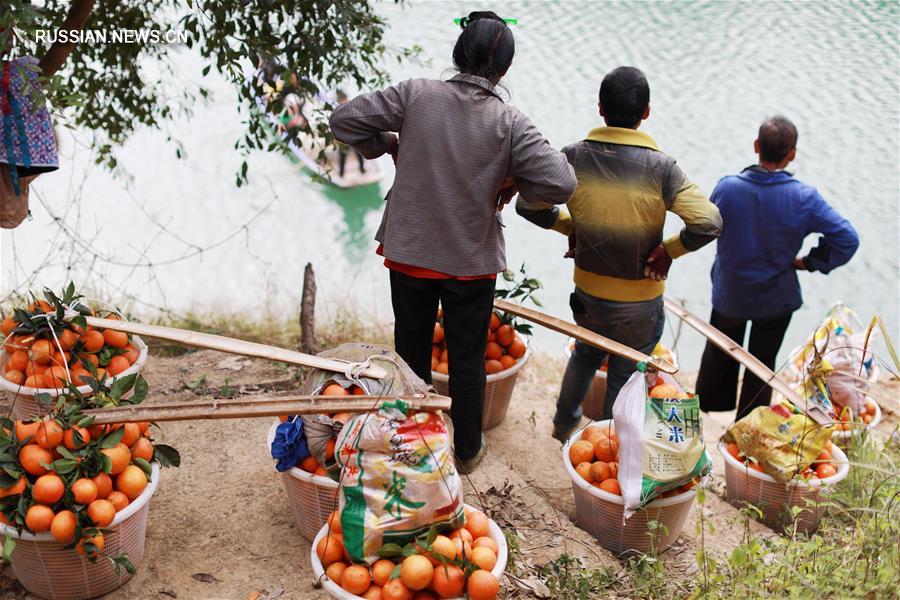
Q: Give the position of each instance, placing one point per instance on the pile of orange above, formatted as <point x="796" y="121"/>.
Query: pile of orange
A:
<point x="846" y="418"/>
<point x="504" y="347"/>
<point x="451" y="566"/>
<point x="41" y="361"/>
<point x="72" y="486"/>
<point x="821" y="468"/>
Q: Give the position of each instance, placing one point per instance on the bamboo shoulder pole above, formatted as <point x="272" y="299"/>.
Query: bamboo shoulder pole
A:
<point x="741" y="355"/>
<point x="233" y="346"/>
<point x="258" y="407"/>
<point x="583" y="334"/>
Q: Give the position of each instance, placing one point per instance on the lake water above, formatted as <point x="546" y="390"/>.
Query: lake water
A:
<point x="716" y="69"/>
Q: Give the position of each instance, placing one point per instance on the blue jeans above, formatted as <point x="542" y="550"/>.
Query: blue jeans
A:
<point x="635" y="324"/>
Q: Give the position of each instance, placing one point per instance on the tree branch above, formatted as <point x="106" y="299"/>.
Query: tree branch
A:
<point x="308" y="342"/>
<point x="78" y="15"/>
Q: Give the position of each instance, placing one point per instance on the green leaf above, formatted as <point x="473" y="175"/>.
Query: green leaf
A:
<point x="122" y="561"/>
<point x="144" y="465"/>
<point x="105" y="463"/>
<point x="140" y="390"/>
<point x="389" y="550"/>
<point x="113" y="438"/>
<point x="121" y="386"/>
<point x="395" y="572"/>
<point x="167" y="456"/>
<point x="64" y="465"/>
<point x="9" y="544"/>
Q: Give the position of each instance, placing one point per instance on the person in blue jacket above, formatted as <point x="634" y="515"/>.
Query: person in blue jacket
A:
<point x="767" y="213"/>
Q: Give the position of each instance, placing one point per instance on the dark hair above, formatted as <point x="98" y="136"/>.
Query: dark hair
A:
<point x="624" y="96"/>
<point x="777" y="137"/>
<point x="485" y="47"/>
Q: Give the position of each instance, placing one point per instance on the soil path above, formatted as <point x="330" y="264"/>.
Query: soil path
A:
<point x="220" y="526"/>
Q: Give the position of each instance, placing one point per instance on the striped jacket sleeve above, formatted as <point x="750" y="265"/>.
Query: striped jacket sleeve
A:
<point x="544" y="212"/>
<point x="365" y="121"/>
<point x="702" y="221"/>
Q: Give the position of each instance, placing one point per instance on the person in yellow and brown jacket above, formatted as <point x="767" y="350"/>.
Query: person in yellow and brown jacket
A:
<point x="615" y="225"/>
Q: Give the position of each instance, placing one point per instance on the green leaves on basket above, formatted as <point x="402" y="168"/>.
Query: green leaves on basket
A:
<point x="166" y="456"/>
<point x="122" y="561"/>
<point x="9" y="544"/>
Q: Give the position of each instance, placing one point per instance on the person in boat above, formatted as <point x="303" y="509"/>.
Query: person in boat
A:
<point x="441" y="234"/>
<point x="615" y="219"/>
<point x="768" y="213"/>
<point x="342" y="150"/>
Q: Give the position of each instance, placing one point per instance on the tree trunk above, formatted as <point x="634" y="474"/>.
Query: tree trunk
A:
<point x="308" y="341"/>
<point x="78" y="15"/>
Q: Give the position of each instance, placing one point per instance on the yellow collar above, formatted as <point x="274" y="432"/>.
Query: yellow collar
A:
<point x="622" y="136"/>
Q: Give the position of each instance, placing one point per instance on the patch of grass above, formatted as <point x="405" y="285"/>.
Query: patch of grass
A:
<point x="567" y="579"/>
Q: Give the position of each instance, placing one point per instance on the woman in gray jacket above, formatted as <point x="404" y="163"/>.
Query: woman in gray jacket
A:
<point x="461" y="155"/>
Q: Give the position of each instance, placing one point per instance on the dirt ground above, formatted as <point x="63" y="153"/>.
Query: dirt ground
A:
<point x="220" y="526"/>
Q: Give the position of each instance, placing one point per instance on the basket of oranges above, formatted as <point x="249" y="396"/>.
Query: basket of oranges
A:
<point x="466" y="562"/>
<point x="591" y="459"/>
<point x="747" y="483"/>
<point x="43" y="353"/>
<point x="849" y="424"/>
<point x="505" y="355"/>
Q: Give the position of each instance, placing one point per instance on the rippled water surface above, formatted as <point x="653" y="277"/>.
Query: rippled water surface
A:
<point x="716" y="70"/>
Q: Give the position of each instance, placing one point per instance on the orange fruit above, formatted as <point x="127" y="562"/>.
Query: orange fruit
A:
<point x="395" y="589"/>
<point x="15" y="489"/>
<point x="463" y="548"/>
<point x="63" y="527"/>
<point x="599" y="472"/>
<point x="329" y="448"/>
<point x="31" y="457"/>
<point x="484" y="558"/>
<point x="507" y="361"/>
<point x="442" y="546"/>
<point x="824" y="456"/>
<point x="438" y="336"/>
<point x="381" y="571"/>
<point x="486" y="542"/>
<point x="436" y="351"/>
<point x="373" y="593"/>
<point x="40" y="352"/>
<point x="131" y="355"/>
<point x="309" y="464"/>
<point x="613" y="469"/>
<point x="39" y="518"/>
<point x="330" y="549"/>
<point x="8" y="324"/>
<point x="493" y="366"/>
<point x="581" y="451"/>
<point x="482" y="585"/>
<point x="517" y="349"/>
<point x="449" y="581"/>
<point x="733" y="450"/>
<point x="101" y="512"/>
<point x="416" y="572"/>
<point x="56" y="377"/>
<point x="334" y="389"/>
<point x="96" y="540"/>
<point x="117" y="365"/>
<point x="506" y="335"/>
<point x="92" y="340"/>
<point x="605" y="449"/>
<point x="131" y="481"/>
<point x="462" y="534"/>
<point x="664" y="390"/>
<point x="67" y="339"/>
<point x="825" y="470"/>
<point x="34" y="381"/>
<point x="49" y="434"/>
<point x="119" y="500"/>
<point x="477" y="524"/>
<point x="132" y="434"/>
<point x="335" y="571"/>
<point x="356" y="579"/>
<point x="611" y="486"/>
<point x="115" y="339"/>
<point x="70" y="442"/>
<point x="320" y="471"/>
<point x="48" y="489"/>
<point x="18" y="360"/>
<point x="24" y="430"/>
<point x="495" y="322"/>
<point x="104" y="484"/>
<point x="89" y="358"/>
<point x="334" y="522"/>
<point x="143" y="426"/>
<point x="445" y="355"/>
<point x="143" y="448"/>
<point x="493" y="351"/>
<point x="441" y="368"/>
<point x="120" y="456"/>
<point x="15" y="376"/>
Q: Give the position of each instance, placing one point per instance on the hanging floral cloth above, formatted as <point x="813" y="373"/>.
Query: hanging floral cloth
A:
<point x="27" y="143"/>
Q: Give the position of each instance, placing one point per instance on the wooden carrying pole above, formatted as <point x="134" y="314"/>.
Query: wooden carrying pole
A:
<point x="741" y="355"/>
<point x="257" y="407"/>
<point x="233" y="346"/>
<point x="585" y="335"/>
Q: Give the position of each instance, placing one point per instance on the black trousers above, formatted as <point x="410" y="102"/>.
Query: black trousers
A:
<point x="718" y="378"/>
<point x="342" y="161"/>
<point x="467" y="309"/>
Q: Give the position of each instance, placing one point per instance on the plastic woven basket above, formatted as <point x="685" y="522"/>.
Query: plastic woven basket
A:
<point x="23" y="400"/>
<point x="745" y="485"/>
<point x="600" y="513"/>
<point x="312" y="497"/>
<point x="592" y="405"/>
<point x="498" y="389"/>
<point x="336" y="591"/>
<point x="843" y="437"/>
<point x="49" y="570"/>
